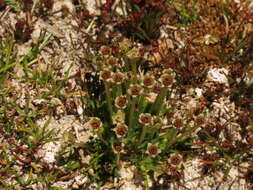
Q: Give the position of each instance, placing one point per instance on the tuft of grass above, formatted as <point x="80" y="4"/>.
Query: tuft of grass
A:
<point x="13" y="4"/>
<point x="7" y="59"/>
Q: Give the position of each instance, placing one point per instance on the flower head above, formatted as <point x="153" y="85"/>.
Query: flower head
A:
<point x="153" y="150"/>
<point x="133" y="53"/>
<point x="135" y="90"/>
<point x="178" y="122"/>
<point x="118" y="77"/>
<point x="118" y="148"/>
<point x="148" y="81"/>
<point x="200" y="120"/>
<point x="112" y="61"/>
<point x="249" y="139"/>
<point x="105" y="76"/>
<point x="175" y="159"/>
<point x="157" y="121"/>
<point x="169" y="115"/>
<point x="121" y="102"/>
<point x="120" y="130"/>
<point x="129" y="75"/>
<point x="156" y="88"/>
<point x="105" y="50"/>
<point x="95" y="123"/>
<point x="118" y="117"/>
<point x="167" y="79"/>
<point x="146" y="119"/>
<point x="125" y="45"/>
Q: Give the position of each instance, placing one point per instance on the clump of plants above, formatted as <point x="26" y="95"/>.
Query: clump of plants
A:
<point x="2" y="4"/>
<point x="133" y="120"/>
<point x="23" y="29"/>
<point x="143" y="20"/>
<point x="137" y="19"/>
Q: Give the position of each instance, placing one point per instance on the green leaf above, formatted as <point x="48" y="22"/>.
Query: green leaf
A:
<point x="13" y="4"/>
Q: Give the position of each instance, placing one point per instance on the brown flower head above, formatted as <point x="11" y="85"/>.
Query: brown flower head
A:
<point x="175" y="159"/>
<point x="146" y="119"/>
<point x="134" y="90"/>
<point x="157" y="121"/>
<point x="226" y="144"/>
<point x="112" y="61"/>
<point x="167" y="79"/>
<point x="200" y="120"/>
<point x="105" y="76"/>
<point x="105" y="50"/>
<point x="169" y="115"/>
<point x="95" y="123"/>
<point x="125" y="45"/>
<point x="173" y="172"/>
<point x="153" y="150"/>
<point x="118" y="117"/>
<point x="178" y="122"/>
<point x="118" y="77"/>
<point x="249" y="139"/>
<point x="156" y="88"/>
<point x="120" y="130"/>
<point x="118" y="148"/>
<point x="148" y="81"/>
<point x="121" y="102"/>
<point x="129" y="75"/>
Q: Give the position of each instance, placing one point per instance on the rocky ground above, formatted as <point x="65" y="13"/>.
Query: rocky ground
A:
<point x="45" y="89"/>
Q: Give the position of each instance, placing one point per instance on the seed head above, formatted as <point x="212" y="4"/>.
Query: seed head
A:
<point x="105" y="50"/>
<point x="105" y="76"/>
<point x="146" y="119"/>
<point x="95" y="123"/>
<point x="178" y="122"/>
<point x="120" y="130"/>
<point x="175" y="159"/>
<point x="135" y="90"/>
<point x="156" y="88"/>
<point x="121" y="102"/>
<point x="118" y="148"/>
<point x="118" y="77"/>
<point x="118" y="117"/>
<point x="249" y="139"/>
<point x="129" y="75"/>
<point x="148" y="81"/>
<point x="125" y="45"/>
<point x="167" y="79"/>
<point x="200" y="120"/>
<point x="157" y="121"/>
<point x="112" y="61"/>
<point x="153" y="150"/>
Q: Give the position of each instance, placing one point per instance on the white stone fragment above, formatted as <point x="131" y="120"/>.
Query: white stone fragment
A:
<point x="218" y="75"/>
<point x="49" y="152"/>
<point x="128" y="185"/>
<point x="59" y="4"/>
<point x="191" y="172"/>
<point x="126" y="173"/>
<point x="198" y="92"/>
<point x="63" y="184"/>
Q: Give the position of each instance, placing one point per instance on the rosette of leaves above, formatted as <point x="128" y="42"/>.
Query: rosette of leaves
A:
<point x="143" y="19"/>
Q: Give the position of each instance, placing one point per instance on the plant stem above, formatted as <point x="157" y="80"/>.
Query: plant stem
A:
<point x="146" y="181"/>
<point x="134" y="69"/>
<point x="108" y="99"/>
<point x="131" y="114"/>
<point x="117" y="160"/>
<point x="143" y="134"/>
<point x="159" y="100"/>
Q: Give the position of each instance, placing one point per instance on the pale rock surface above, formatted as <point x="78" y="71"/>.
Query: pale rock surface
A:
<point x="218" y="75"/>
<point x="59" y="4"/>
